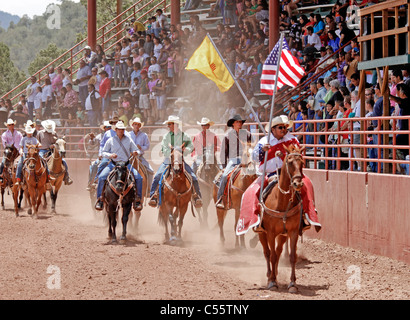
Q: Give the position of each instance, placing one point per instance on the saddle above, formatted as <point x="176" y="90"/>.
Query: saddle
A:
<point x="162" y="182"/>
<point x="230" y="179"/>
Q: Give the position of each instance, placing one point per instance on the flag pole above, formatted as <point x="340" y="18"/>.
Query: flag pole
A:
<point x="237" y="84"/>
<point x="271" y="116"/>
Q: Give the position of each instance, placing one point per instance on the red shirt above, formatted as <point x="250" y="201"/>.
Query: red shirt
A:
<point x="201" y="140"/>
<point x="105" y="86"/>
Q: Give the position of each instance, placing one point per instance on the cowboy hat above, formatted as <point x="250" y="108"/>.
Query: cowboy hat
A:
<point x="172" y="119"/>
<point x="105" y="124"/>
<point x="136" y="120"/>
<point x="282" y="119"/>
<point x="236" y="117"/>
<point x="114" y="120"/>
<point x="205" y="121"/>
<point x="29" y="123"/>
<point x="48" y="125"/>
<point x="87" y="48"/>
<point x="120" y="125"/>
<point x="10" y="121"/>
<point x="29" y="129"/>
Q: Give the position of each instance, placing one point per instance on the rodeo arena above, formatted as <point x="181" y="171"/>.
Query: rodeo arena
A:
<point x="226" y="151"/>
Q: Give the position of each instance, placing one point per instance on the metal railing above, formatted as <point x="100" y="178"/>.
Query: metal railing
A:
<point x="326" y="147"/>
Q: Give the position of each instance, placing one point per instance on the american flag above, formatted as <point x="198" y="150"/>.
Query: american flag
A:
<point x="290" y="71"/>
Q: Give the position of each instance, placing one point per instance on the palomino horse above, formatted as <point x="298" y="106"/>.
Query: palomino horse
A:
<point x="176" y="194"/>
<point x="57" y="170"/>
<point x="282" y="216"/>
<point x="236" y="188"/>
<point x="35" y="176"/>
<point x="206" y="174"/>
<point x="10" y="154"/>
<point x="119" y="192"/>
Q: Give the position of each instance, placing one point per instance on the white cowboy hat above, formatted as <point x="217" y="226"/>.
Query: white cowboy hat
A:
<point x="173" y="119"/>
<point x="205" y="121"/>
<point x="136" y="120"/>
<point x="105" y="124"/>
<point x="120" y="125"/>
<point x="29" y="129"/>
<point x="49" y="125"/>
<point x="282" y="119"/>
<point x="29" y="123"/>
<point x="87" y="48"/>
<point x="10" y="121"/>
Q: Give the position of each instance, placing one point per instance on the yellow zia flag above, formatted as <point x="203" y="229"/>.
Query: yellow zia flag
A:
<point x="207" y="61"/>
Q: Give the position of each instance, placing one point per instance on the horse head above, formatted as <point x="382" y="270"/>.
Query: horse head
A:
<point x="59" y="146"/>
<point x="121" y="175"/>
<point x="248" y="165"/>
<point x="177" y="159"/>
<point x="32" y="155"/>
<point x="294" y="165"/>
<point x="10" y="154"/>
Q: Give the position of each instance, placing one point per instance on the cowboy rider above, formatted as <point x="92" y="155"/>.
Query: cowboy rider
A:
<point x="10" y="137"/>
<point x="231" y="152"/>
<point x="142" y="142"/>
<point x="28" y="139"/>
<point x="47" y="137"/>
<point x="175" y="138"/>
<point x="203" y="140"/>
<point x="279" y="138"/>
<point x="119" y="148"/>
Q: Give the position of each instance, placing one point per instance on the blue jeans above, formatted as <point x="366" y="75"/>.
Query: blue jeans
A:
<point x="105" y="173"/>
<point x="20" y="166"/>
<point x="161" y="171"/>
<point x="224" y="178"/>
<point x="30" y="107"/>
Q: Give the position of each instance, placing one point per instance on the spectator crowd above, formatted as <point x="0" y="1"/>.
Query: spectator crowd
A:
<point x="149" y="63"/>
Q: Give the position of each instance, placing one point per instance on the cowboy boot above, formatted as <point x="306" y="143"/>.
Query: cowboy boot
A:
<point x="153" y="201"/>
<point x="99" y="205"/>
<point x="197" y="201"/>
<point x="137" y="204"/>
<point x="220" y="203"/>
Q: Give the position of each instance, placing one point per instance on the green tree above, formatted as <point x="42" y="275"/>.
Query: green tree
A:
<point x="44" y="57"/>
<point x="10" y="76"/>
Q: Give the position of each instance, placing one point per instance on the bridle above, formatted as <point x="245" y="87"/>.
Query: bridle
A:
<point x="125" y="191"/>
<point x="32" y="160"/>
<point x="292" y="178"/>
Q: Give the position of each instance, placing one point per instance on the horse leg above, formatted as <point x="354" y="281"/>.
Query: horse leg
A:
<point x="241" y="237"/>
<point x="125" y="214"/>
<point x="2" y="198"/>
<point x="15" y="191"/>
<point x="21" y="198"/>
<point x="281" y="240"/>
<point x="221" y="213"/>
<point x="272" y="285"/>
<point x="292" y="288"/>
<point x="266" y="251"/>
<point x="113" y="224"/>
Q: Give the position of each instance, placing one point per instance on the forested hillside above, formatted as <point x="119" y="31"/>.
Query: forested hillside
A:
<point x="28" y="36"/>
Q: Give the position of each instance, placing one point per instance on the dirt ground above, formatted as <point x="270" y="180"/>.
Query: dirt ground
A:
<point x="67" y="256"/>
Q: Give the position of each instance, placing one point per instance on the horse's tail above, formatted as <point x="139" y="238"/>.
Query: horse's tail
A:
<point x="161" y="220"/>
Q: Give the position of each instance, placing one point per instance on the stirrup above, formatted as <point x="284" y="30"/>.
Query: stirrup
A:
<point x="153" y="202"/>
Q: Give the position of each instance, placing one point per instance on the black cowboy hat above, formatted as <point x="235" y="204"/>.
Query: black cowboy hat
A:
<point x="236" y="117"/>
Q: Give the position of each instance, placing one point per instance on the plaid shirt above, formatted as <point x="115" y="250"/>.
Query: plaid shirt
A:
<point x="71" y="99"/>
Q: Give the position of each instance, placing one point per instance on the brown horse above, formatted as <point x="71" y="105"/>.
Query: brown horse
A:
<point x="281" y="216"/>
<point x="176" y="194"/>
<point x="35" y="175"/>
<point x="206" y="173"/>
<point x="57" y="170"/>
<point x="236" y="188"/>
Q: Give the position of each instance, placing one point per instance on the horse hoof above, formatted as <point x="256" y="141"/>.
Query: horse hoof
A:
<point x="113" y="241"/>
<point x="29" y="211"/>
<point x="292" y="288"/>
<point x="272" y="286"/>
<point x="123" y="238"/>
